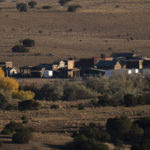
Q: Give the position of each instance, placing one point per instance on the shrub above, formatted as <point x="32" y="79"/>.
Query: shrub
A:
<point x="130" y="100"/>
<point x="94" y="132"/>
<point x="84" y="143"/>
<point x="28" y="105"/>
<point x="80" y="107"/>
<point x="32" y="4"/>
<point x="20" y="49"/>
<point x="117" y="86"/>
<point x="100" y="85"/>
<point x="54" y="106"/>
<point x="23" y="95"/>
<point x="34" y="88"/>
<point x="63" y="2"/>
<point x="1" y="143"/>
<point x="106" y="101"/>
<point x="24" y="119"/>
<point x="22" y="7"/>
<point x="46" y="7"/>
<point x="11" y="127"/>
<point x="28" y="43"/>
<point x="22" y="136"/>
<point x="51" y="92"/>
<point x="74" y="91"/>
<point x="136" y="133"/>
<point x="143" y="122"/>
<point x="119" y="128"/>
<point x="3" y="102"/>
<point x="73" y="8"/>
<point x="142" y="145"/>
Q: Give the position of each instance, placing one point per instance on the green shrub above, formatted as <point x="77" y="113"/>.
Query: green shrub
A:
<point x="54" y="106"/>
<point x="94" y="132"/>
<point x="142" y="145"/>
<point x="73" y="8"/>
<point x="80" y="107"/>
<point x="11" y="127"/>
<point x="3" y="102"/>
<point x="100" y="85"/>
<point x="47" y="7"/>
<point x="32" y="4"/>
<point x="143" y="122"/>
<point x="106" y="101"/>
<point x="22" y="136"/>
<point x="28" y="105"/>
<point x="28" y="43"/>
<point x="74" y="91"/>
<point x="1" y="143"/>
<point x="24" y="119"/>
<point x="119" y="128"/>
<point x="130" y="100"/>
<point x="117" y="86"/>
<point x="51" y="92"/>
<point x="84" y="143"/>
<point x="22" y="7"/>
<point x="20" y="49"/>
<point x="63" y="2"/>
<point x="136" y="133"/>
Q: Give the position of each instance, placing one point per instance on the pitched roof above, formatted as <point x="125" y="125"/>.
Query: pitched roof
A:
<point x="107" y="63"/>
<point x="132" y="64"/>
<point x="126" y="55"/>
<point x="40" y="66"/>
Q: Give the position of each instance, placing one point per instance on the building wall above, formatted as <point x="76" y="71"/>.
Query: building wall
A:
<point x="70" y="64"/>
<point x="55" y="67"/>
<point x="117" y="66"/>
<point x="61" y="64"/>
<point x="9" y="64"/>
<point x="140" y="64"/>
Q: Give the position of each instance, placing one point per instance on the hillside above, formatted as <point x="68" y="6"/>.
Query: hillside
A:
<point x="100" y="26"/>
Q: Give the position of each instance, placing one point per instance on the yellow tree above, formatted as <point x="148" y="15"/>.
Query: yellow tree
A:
<point x="1" y="73"/>
<point x="7" y="83"/>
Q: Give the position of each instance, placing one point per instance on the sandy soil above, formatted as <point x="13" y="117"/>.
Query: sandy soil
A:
<point x="100" y="26"/>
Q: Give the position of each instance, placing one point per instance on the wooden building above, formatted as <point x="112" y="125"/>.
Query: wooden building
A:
<point x="7" y="64"/>
<point x="124" y="55"/>
<point x="73" y="73"/>
<point x="109" y="64"/>
<point x="87" y="63"/>
<point x="133" y="64"/>
<point x="146" y="64"/>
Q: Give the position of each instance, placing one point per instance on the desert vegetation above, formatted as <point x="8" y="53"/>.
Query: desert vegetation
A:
<point x="20" y="49"/>
<point x="119" y="131"/>
<point x="24" y="48"/>
<point x="9" y="90"/>
<point x="22" y="7"/>
<point x="73" y="8"/>
<point x="118" y="90"/>
<point x="20" y="133"/>
<point x="32" y="4"/>
<point x="28" y="43"/>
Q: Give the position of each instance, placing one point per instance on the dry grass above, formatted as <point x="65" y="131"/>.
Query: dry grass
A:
<point x="100" y="26"/>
